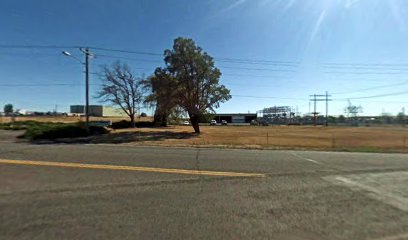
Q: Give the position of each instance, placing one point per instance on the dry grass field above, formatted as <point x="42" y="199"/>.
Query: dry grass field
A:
<point x="377" y="139"/>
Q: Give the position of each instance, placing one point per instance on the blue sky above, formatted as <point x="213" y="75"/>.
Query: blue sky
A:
<point x="355" y="49"/>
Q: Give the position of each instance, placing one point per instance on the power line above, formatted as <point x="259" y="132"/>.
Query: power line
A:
<point x="258" y="69"/>
<point x="227" y="67"/>
<point x="126" y="51"/>
<point x="317" y="98"/>
<point x="257" y="76"/>
<point x="222" y="59"/>
<point x="373" y="88"/>
<point x="258" y="61"/>
<point x="380" y="95"/>
<point x="128" y="58"/>
<point x="368" y="68"/>
<point x="39" y="46"/>
<point x="235" y="60"/>
<point x="44" y="85"/>
<point x="368" y="64"/>
<point x="246" y="96"/>
<point x="371" y="101"/>
<point x="365" y="73"/>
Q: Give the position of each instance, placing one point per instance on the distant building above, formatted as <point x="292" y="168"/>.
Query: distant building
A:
<point x="97" y="111"/>
<point x="278" y="115"/>
<point x="235" y="117"/>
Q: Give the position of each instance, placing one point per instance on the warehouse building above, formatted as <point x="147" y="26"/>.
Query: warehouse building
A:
<point x="235" y="117"/>
<point x="97" y="111"/>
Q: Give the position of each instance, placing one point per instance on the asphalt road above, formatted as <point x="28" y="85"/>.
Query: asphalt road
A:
<point x="123" y="192"/>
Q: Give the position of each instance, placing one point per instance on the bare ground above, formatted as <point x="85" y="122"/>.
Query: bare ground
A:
<point x="393" y="139"/>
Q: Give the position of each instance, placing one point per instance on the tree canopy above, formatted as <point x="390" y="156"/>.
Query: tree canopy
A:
<point x="189" y="80"/>
<point x="8" y="109"/>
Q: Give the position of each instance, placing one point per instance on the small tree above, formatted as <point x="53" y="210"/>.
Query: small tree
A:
<point x="8" y="109"/>
<point x="192" y="80"/>
<point x="401" y="118"/>
<point x="122" y="88"/>
<point x="341" y="119"/>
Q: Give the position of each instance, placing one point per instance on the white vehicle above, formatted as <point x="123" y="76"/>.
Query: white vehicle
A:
<point x="186" y="123"/>
<point x="213" y="122"/>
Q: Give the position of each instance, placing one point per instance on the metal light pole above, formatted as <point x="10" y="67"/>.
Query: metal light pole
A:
<point x="327" y="109"/>
<point x="87" y="54"/>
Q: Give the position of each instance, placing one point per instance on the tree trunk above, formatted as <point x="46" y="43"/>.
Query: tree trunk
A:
<point x="194" y="122"/>
<point x="160" y="119"/>
<point x="132" y="121"/>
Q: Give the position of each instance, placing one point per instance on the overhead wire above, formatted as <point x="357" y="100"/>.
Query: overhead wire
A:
<point x="379" y="95"/>
<point x="266" y="97"/>
<point x="223" y="59"/>
<point x="372" y="88"/>
<point x="286" y="66"/>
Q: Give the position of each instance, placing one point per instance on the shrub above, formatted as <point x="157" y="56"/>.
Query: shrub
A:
<point x="121" y="124"/>
<point x="126" y="124"/>
<point x="54" y="131"/>
<point x="144" y="124"/>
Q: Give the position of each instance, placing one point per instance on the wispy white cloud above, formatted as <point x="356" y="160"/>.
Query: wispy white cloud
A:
<point x="350" y="3"/>
<point x="288" y="5"/>
<point x="264" y="3"/>
<point x="317" y="25"/>
<point x="233" y="5"/>
<point x="396" y="10"/>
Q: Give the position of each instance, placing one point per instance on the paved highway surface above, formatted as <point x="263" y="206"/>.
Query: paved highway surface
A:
<point x="123" y="192"/>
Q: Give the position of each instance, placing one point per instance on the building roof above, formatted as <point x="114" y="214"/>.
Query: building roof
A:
<point x="235" y="114"/>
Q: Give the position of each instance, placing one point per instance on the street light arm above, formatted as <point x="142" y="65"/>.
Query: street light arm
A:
<point x="72" y="56"/>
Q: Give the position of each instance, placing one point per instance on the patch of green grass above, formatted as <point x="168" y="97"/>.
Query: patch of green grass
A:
<point x="368" y="149"/>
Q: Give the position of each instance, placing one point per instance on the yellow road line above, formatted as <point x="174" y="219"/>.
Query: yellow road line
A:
<point x="128" y="168"/>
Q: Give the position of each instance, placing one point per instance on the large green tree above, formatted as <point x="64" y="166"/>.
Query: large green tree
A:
<point x="190" y="80"/>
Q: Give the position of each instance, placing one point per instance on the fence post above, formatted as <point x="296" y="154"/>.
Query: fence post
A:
<point x="267" y="138"/>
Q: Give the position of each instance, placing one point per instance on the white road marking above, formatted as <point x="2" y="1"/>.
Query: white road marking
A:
<point x="313" y="161"/>
<point x="389" y="188"/>
<point x="307" y="159"/>
<point x="395" y="237"/>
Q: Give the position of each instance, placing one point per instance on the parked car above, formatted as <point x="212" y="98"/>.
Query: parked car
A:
<point x="213" y="122"/>
<point x="186" y="123"/>
<point x="224" y="122"/>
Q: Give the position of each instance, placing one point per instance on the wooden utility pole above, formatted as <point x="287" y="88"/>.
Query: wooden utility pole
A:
<point x="317" y="98"/>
